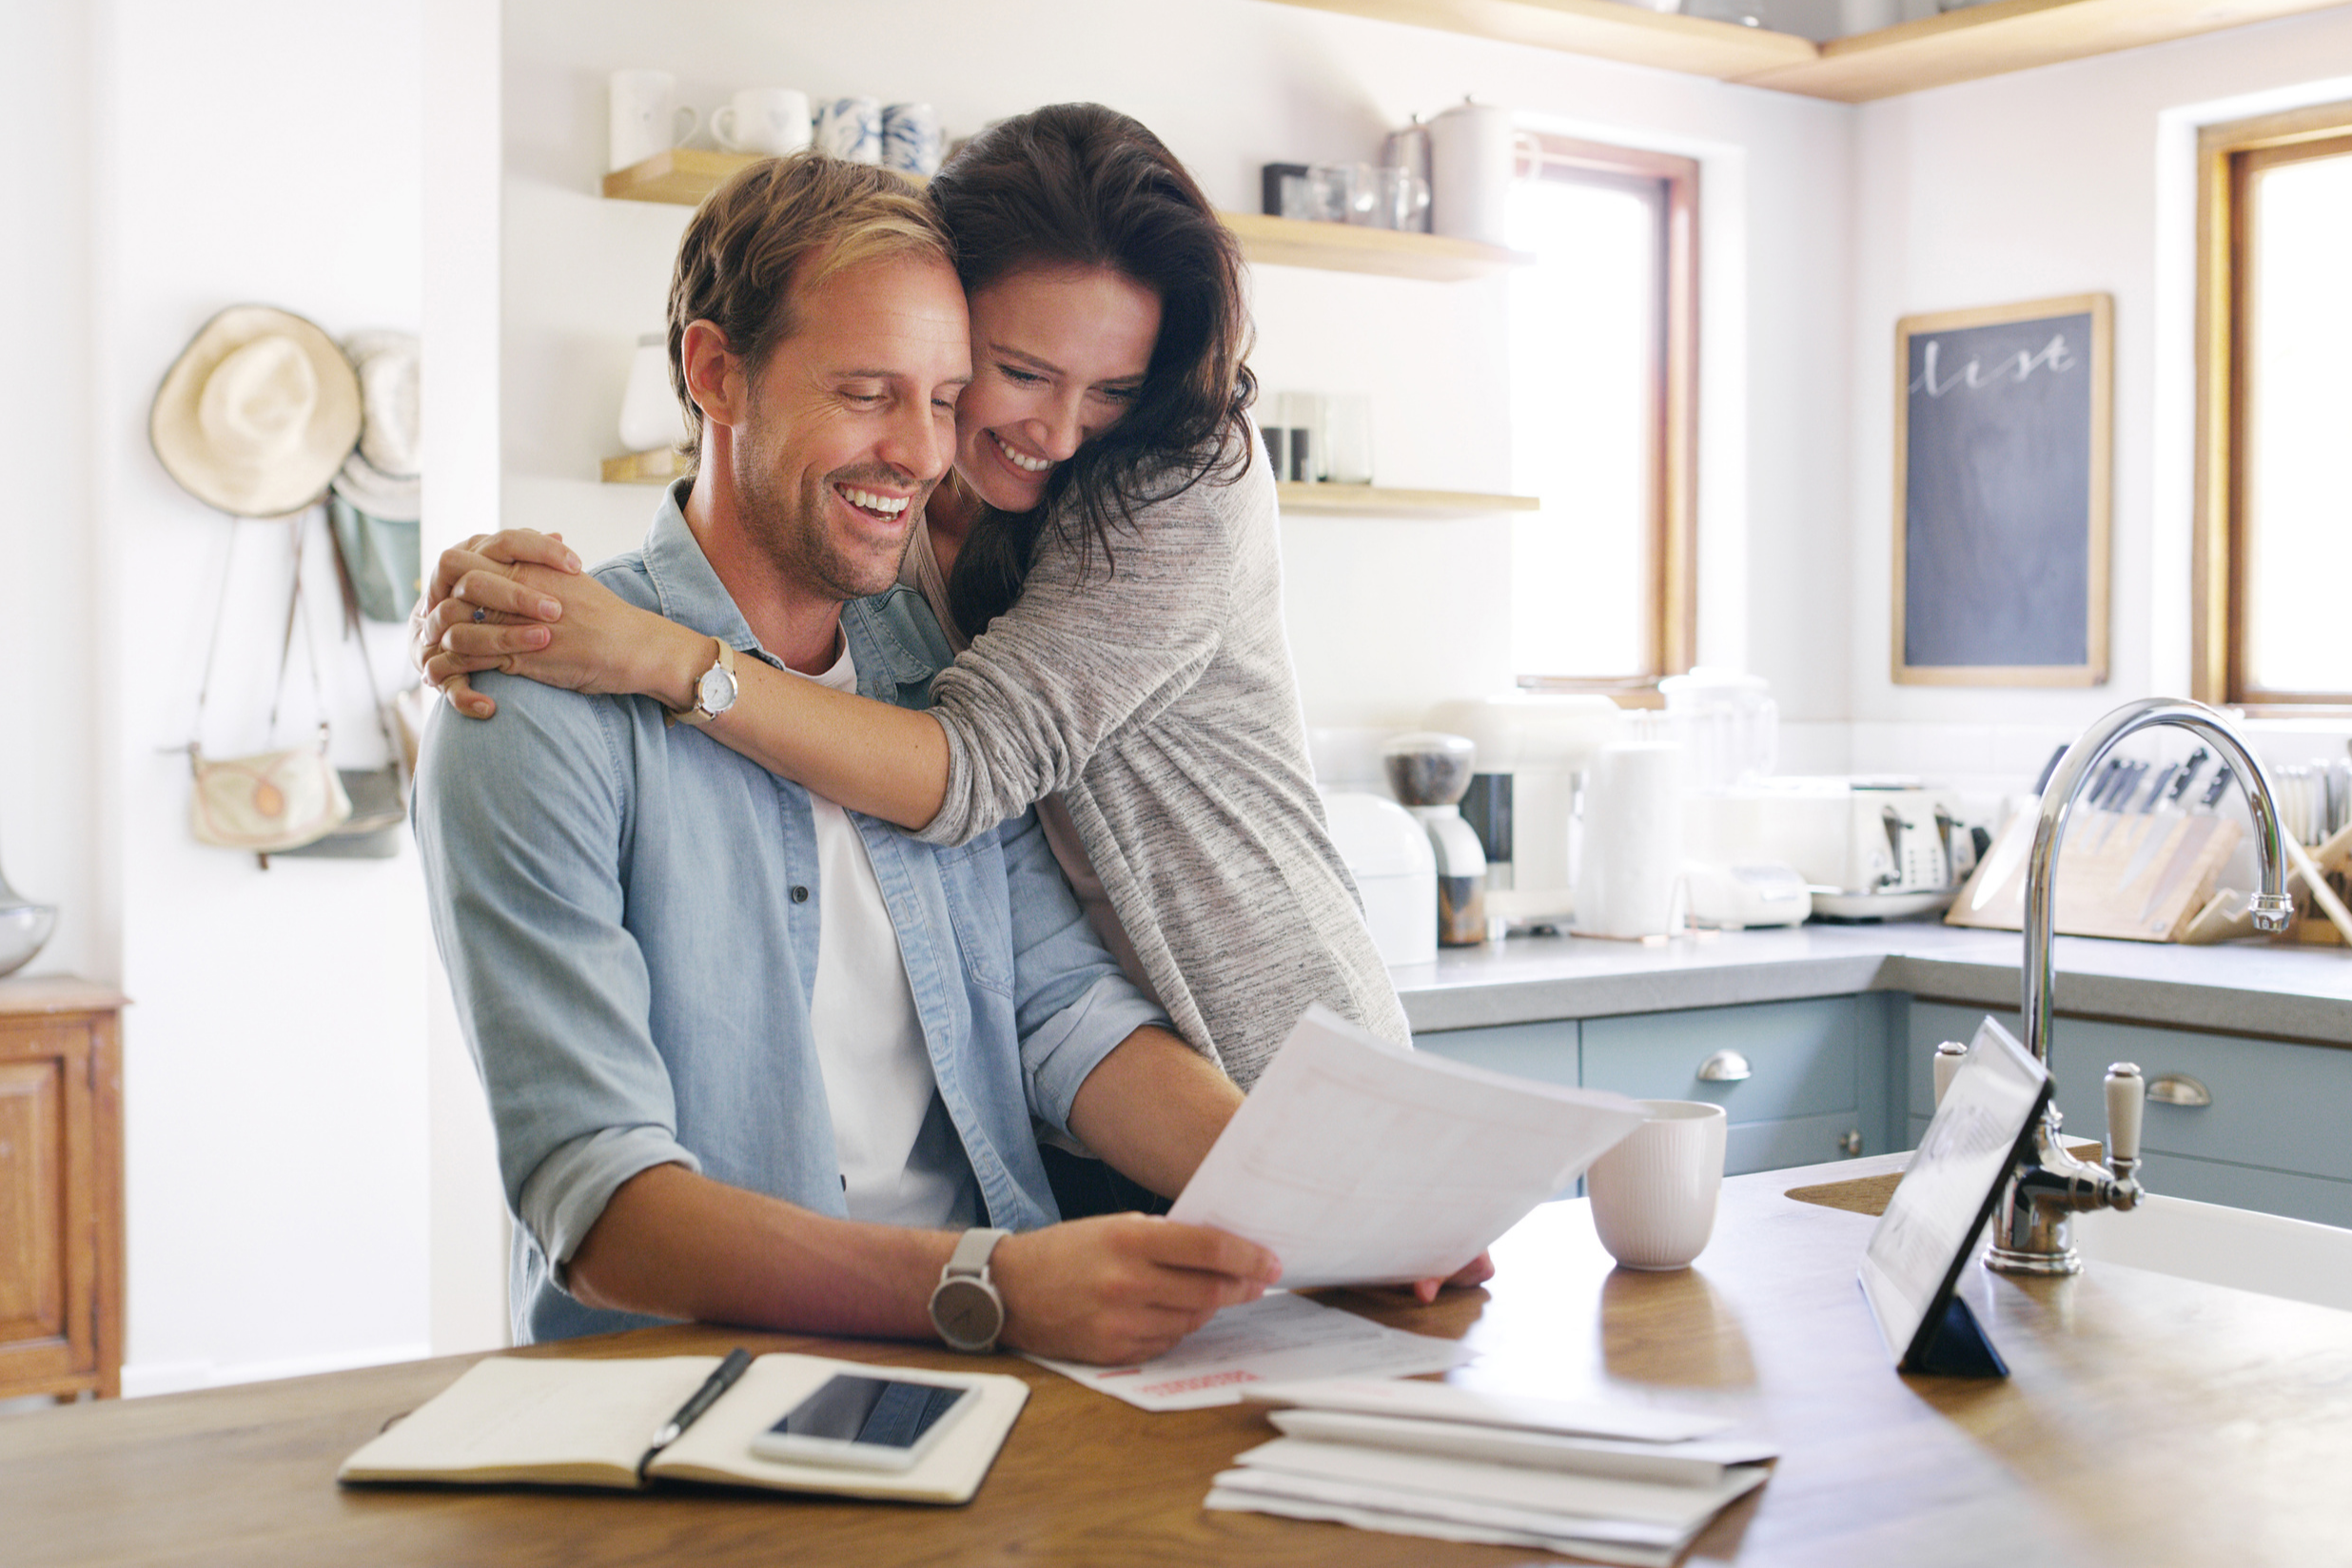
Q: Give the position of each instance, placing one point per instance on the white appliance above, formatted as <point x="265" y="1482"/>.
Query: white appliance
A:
<point x="1734" y="897"/>
<point x="1534" y="750"/>
<point x="1387" y="851"/>
<point x="1869" y="847"/>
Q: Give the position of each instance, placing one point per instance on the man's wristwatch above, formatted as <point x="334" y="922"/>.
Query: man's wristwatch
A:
<point x="964" y="1306"/>
<point x="715" y="689"/>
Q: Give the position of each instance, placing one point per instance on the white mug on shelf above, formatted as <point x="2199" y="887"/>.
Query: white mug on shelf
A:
<point x="774" y="121"/>
<point x="645" y="116"/>
<point x="650" y="415"/>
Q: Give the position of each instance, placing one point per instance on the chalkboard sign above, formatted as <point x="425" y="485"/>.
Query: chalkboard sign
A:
<point x="2000" y="473"/>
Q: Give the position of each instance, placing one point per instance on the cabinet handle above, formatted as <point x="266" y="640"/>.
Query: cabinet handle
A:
<point x="1850" y="1143"/>
<point x="2179" y="1088"/>
<point x="1725" y="1066"/>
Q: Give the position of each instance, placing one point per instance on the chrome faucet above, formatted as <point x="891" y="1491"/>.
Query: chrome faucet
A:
<point x="2033" y="1229"/>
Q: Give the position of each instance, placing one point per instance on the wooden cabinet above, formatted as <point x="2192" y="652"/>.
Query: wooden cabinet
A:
<point x="61" y="1188"/>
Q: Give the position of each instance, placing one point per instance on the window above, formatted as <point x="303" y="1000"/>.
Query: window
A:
<point x="1603" y="393"/>
<point x="2274" y="482"/>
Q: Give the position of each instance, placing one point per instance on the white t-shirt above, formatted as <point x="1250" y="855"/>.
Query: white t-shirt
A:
<point x="901" y="1161"/>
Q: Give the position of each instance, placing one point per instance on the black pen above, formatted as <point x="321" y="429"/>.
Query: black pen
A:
<point x="725" y="1376"/>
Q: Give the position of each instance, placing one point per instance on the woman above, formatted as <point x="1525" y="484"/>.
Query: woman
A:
<point x="1108" y="540"/>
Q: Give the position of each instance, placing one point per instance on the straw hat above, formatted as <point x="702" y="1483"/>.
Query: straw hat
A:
<point x="257" y="414"/>
<point x="381" y="478"/>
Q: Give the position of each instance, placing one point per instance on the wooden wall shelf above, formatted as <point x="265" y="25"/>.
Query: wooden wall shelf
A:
<point x="1344" y="247"/>
<point x="657" y="468"/>
<point x="1961" y="45"/>
<point x="681" y="176"/>
<point x="1354" y="499"/>
<point x="1372" y="500"/>
<point x="685" y="175"/>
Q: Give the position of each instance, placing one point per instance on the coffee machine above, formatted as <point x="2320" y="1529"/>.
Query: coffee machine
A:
<point x="1534" y="750"/>
<point x="1428" y="772"/>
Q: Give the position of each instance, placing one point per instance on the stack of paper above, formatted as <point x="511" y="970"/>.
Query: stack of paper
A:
<point x="1631" y="1486"/>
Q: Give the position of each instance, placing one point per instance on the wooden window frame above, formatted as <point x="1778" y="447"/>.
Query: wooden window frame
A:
<point x="1673" y="400"/>
<point x="2228" y="156"/>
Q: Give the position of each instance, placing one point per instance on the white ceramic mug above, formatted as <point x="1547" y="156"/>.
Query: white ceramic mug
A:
<point x="646" y="116"/>
<point x="1654" y="1194"/>
<point x="774" y="121"/>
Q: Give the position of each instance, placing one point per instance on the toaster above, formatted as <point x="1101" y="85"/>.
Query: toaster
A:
<point x="1849" y="836"/>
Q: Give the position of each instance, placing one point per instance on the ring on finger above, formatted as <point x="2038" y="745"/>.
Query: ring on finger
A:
<point x="481" y="614"/>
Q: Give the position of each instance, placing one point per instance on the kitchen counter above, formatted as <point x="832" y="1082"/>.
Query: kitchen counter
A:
<point x="2245" y="989"/>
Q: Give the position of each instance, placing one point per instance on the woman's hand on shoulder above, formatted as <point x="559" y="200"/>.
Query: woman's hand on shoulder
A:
<point x="518" y="602"/>
<point x="476" y="584"/>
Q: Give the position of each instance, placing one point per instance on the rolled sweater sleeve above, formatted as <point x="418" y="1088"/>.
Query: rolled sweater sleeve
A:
<point x="1091" y="646"/>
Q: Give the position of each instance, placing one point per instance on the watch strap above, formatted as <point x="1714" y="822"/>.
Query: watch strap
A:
<point x="696" y="713"/>
<point x="971" y="1257"/>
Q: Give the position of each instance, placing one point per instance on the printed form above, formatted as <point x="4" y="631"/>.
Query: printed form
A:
<point x="1357" y="1162"/>
<point x="1275" y="1339"/>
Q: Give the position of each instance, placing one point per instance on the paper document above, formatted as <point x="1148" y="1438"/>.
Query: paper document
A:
<point x="1275" y="1338"/>
<point x="1357" y="1162"/>
<point x="1445" y="1402"/>
<point x="1368" y="1508"/>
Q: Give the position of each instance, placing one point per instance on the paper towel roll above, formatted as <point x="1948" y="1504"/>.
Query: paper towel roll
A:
<point x="1633" y="841"/>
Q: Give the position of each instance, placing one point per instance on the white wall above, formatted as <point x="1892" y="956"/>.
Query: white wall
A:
<point x="1385" y="615"/>
<point x="275" y="1087"/>
<point x="49" y="734"/>
<point x="2070" y="179"/>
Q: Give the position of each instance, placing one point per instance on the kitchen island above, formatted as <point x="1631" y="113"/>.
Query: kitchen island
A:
<point x="2149" y="1423"/>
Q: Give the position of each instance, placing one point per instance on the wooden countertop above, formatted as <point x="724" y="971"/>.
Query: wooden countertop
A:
<point x="2150" y="1421"/>
<point x="54" y="993"/>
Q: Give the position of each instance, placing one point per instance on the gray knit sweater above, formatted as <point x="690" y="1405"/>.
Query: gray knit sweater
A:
<point x="1159" y="701"/>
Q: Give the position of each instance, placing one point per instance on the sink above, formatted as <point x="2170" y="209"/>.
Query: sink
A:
<point x="2210" y="1242"/>
<point x="2238" y="1248"/>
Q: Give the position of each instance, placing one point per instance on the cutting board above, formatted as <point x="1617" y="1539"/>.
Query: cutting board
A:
<point x="2164" y="894"/>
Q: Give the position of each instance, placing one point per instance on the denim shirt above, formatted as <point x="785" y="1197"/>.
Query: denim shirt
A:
<point x="629" y="914"/>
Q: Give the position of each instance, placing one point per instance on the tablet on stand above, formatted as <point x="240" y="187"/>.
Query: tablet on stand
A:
<point x="1911" y="1270"/>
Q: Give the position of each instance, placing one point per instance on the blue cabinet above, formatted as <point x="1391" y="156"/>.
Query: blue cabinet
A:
<point x="1817" y="1086"/>
<point x="1834" y="1075"/>
<point x="2271" y="1139"/>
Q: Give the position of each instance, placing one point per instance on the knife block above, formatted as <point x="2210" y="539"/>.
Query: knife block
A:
<point x="2165" y="892"/>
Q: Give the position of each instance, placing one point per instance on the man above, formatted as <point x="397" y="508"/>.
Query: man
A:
<point x="753" y="1060"/>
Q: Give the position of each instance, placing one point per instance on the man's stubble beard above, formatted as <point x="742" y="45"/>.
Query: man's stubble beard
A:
<point x="787" y="522"/>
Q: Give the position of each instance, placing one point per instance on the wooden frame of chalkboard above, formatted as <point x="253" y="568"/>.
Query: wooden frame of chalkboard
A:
<point x="2004" y="437"/>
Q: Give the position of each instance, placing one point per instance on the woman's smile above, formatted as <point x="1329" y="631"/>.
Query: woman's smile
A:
<point x="1058" y="356"/>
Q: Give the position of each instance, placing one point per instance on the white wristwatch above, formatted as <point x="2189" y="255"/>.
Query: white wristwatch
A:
<point x="715" y="689"/>
<point x="964" y="1306"/>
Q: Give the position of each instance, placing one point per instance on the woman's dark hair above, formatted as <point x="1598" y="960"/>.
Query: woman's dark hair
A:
<point x="1081" y="185"/>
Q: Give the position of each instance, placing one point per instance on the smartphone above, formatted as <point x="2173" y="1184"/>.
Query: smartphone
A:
<point x="871" y="1423"/>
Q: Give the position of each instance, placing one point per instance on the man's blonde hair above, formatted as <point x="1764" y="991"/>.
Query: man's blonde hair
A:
<point x="744" y="251"/>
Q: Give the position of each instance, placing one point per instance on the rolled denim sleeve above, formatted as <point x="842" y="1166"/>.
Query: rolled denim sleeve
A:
<point x="1072" y="1004"/>
<point x="522" y="821"/>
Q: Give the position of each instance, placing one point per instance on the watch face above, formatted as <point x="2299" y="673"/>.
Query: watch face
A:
<point x="968" y="1313"/>
<point x="715" y="690"/>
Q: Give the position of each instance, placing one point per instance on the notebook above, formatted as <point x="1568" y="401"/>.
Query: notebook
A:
<point x="571" y="1422"/>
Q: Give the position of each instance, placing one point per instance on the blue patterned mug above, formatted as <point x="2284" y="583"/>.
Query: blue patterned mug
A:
<point x="910" y="139"/>
<point x="851" y="129"/>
